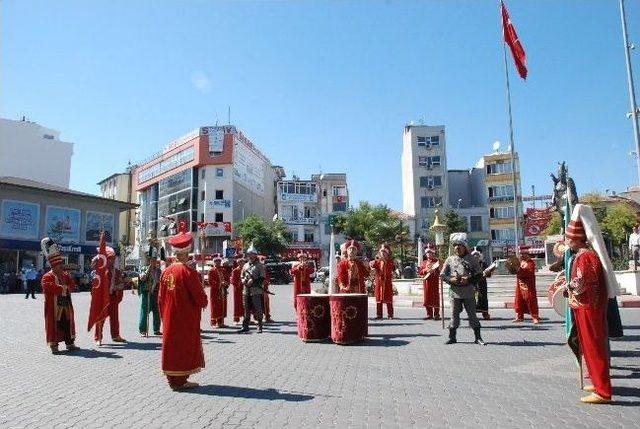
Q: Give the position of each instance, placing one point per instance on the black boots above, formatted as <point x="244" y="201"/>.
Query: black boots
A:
<point x="478" y="340"/>
<point x="452" y="336"/>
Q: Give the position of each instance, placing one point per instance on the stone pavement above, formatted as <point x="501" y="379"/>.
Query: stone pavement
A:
<point x="402" y="376"/>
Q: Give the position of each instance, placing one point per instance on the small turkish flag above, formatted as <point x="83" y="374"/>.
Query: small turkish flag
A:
<point x="511" y="38"/>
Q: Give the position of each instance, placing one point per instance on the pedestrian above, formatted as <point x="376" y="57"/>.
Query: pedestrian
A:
<point x="460" y="271"/>
<point x="634" y="247"/>
<point x="430" y="270"/>
<point x="588" y="292"/>
<point x="148" y="286"/>
<point x="383" y="268"/>
<point x="181" y="299"/>
<point x="238" y="307"/>
<point x="352" y="272"/>
<point x="301" y="272"/>
<point x="482" y="297"/>
<point x="526" y="296"/>
<point x="252" y="277"/>
<point x="218" y="285"/>
<point x="57" y="284"/>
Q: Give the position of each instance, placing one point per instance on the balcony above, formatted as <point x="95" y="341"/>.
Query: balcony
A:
<point x="501" y="199"/>
<point x="302" y="198"/>
<point x="300" y="220"/>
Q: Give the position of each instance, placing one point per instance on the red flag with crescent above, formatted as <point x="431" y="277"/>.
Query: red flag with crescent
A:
<point x="511" y="39"/>
<point x="99" y="309"/>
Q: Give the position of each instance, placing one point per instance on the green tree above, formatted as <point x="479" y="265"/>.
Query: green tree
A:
<point x="618" y="222"/>
<point x="269" y="237"/>
<point x="554" y="225"/>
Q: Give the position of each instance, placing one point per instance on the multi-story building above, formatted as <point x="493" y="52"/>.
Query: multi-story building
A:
<point x="33" y="152"/>
<point x="424" y="178"/>
<point x="501" y="195"/>
<point x="119" y="186"/>
<point x="468" y="197"/>
<point x="214" y="175"/>
<point x="306" y="207"/>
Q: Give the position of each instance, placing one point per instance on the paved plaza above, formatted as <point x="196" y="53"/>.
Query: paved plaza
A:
<point x="402" y="376"/>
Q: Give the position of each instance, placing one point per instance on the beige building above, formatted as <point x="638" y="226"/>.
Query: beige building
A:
<point x="119" y="187"/>
<point x="424" y="174"/>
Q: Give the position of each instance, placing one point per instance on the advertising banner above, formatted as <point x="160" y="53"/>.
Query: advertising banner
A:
<point x="97" y="221"/>
<point x="20" y="220"/>
<point x="62" y="224"/>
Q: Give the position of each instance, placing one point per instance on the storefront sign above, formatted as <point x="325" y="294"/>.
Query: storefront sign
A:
<point x="97" y="221"/>
<point x="215" y="136"/>
<point x="62" y="224"/>
<point x="20" y="219"/>
<point x="70" y="249"/>
<point x="285" y="196"/>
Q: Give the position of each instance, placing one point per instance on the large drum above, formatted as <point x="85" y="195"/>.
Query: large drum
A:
<point x="314" y="320"/>
<point x="555" y="296"/>
<point x="349" y="317"/>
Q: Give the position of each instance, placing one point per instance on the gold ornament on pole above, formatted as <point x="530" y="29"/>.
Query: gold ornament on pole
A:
<point x="438" y="229"/>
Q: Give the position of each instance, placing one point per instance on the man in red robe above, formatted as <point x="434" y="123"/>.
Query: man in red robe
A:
<point x="115" y="286"/>
<point x="352" y="272"/>
<point x="218" y="284"/>
<point x="301" y="272"/>
<point x="526" y="299"/>
<point x="181" y="300"/>
<point x="236" y="283"/>
<point x="430" y="270"/>
<point x="587" y="297"/>
<point x="57" y="284"/>
<point x="383" y="268"/>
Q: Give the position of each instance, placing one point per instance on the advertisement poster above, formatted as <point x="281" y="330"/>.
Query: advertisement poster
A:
<point x="215" y="136"/>
<point x="19" y="220"/>
<point x="62" y="224"/>
<point x="97" y="221"/>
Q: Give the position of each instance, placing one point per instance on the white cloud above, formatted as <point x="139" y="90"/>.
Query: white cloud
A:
<point x="201" y="81"/>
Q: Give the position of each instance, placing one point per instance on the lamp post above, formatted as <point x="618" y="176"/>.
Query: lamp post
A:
<point x="438" y="229"/>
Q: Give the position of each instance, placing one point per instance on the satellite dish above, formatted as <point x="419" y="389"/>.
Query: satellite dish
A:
<point x="496" y="146"/>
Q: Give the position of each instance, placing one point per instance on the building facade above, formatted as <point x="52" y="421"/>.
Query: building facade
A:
<point x="33" y="152"/>
<point x="214" y="174"/>
<point x="424" y="174"/>
<point x="32" y="210"/>
<point x="119" y="186"/>
<point x="468" y="197"/>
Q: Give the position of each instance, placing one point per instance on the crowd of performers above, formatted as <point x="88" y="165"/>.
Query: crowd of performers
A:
<point x="175" y="297"/>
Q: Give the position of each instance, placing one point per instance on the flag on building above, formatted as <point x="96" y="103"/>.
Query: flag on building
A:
<point x="511" y="39"/>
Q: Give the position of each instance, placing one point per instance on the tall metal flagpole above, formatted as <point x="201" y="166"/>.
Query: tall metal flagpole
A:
<point x="516" y="224"/>
<point x="632" y="96"/>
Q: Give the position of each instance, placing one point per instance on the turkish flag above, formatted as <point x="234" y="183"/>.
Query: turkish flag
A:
<point x="99" y="309"/>
<point x="511" y="39"/>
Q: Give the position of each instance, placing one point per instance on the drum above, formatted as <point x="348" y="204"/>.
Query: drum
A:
<point x="349" y="318"/>
<point x="555" y="297"/>
<point x="314" y="321"/>
<point x="512" y="264"/>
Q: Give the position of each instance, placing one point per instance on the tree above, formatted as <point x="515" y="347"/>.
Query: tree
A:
<point x="618" y="222"/>
<point x="268" y="237"/>
<point x="554" y="226"/>
<point x="453" y="222"/>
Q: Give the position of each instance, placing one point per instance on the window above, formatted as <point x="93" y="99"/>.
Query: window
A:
<point x="202" y="172"/>
<point x="219" y="194"/>
<point x="475" y="223"/>
<point x="502" y="234"/>
<point x="219" y="172"/>
<point x="430" y="181"/>
<point x="430" y="202"/>
<point x="501" y="212"/>
<point x="219" y="217"/>
<point x="339" y="191"/>
<point x="340" y="207"/>
<point x="501" y="191"/>
<point x="202" y="217"/>
<point x="499" y="168"/>
<point x="428" y="141"/>
<point x="308" y="237"/>
<point x="429" y="161"/>
<point x="201" y="195"/>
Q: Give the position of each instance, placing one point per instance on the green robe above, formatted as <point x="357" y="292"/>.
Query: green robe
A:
<point x="148" y="291"/>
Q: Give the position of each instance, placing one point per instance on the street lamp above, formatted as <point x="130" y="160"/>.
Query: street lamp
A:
<point x="242" y="208"/>
<point x="438" y="229"/>
<point x="458" y="204"/>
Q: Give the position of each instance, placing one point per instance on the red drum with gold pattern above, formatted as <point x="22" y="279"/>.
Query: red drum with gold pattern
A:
<point x="314" y="321"/>
<point x="348" y="317"/>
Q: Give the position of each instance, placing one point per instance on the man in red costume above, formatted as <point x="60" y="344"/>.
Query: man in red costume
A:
<point x="301" y="272"/>
<point x="526" y="299"/>
<point x="430" y="270"/>
<point x="238" y="307"/>
<point x="218" y="284"/>
<point x="352" y="272"/>
<point x="115" y="286"/>
<point x="383" y="268"/>
<point x="181" y="300"/>
<point x="587" y="297"/>
<point x="57" y="285"/>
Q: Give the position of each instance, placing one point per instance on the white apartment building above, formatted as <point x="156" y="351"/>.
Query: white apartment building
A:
<point x="33" y="152"/>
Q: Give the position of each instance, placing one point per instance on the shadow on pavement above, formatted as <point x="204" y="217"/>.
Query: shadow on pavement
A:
<point x="635" y="372"/>
<point x="133" y="346"/>
<point x="625" y="353"/>
<point x="628" y="392"/>
<point x="249" y="393"/>
<point x="519" y="327"/>
<point x="373" y="322"/>
<point x="526" y="343"/>
<point x="392" y="336"/>
<point x="92" y="354"/>
<point x="382" y="342"/>
<point x="629" y="338"/>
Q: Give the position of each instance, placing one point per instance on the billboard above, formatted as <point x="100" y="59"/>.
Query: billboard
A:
<point x="62" y="224"/>
<point x="96" y="221"/>
<point x="20" y="220"/>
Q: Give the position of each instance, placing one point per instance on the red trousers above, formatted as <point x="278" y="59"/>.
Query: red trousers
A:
<point x="379" y="309"/>
<point x="591" y="325"/>
<point x="432" y="311"/>
<point x="238" y="306"/>
<point x="114" y="323"/>
<point x="265" y="306"/>
<point x="177" y="381"/>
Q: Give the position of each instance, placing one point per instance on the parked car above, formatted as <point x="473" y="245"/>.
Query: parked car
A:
<point x="279" y="272"/>
<point x="322" y="274"/>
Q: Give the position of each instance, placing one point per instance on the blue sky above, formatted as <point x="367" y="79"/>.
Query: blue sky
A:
<point x="325" y="84"/>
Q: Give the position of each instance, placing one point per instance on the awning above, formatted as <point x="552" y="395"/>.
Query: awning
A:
<point x="479" y="242"/>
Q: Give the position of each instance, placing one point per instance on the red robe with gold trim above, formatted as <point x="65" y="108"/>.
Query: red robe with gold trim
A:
<point x="181" y="300"/>
<point x="238" y="305"/>
<point x="301" y="273"/>
<point x="526" y="300"/>
<point x="588" y="301"/>
<point x="383" y="282"/>
<point x="431" y="285"/>
<point x="218" y="284"/>
<point x="52" y="288"/>
<point x="352" y="276"/>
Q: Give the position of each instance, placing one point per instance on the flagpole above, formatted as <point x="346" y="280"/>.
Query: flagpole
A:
<point x="516" y="224"/>
<point x="632" y="96"/>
